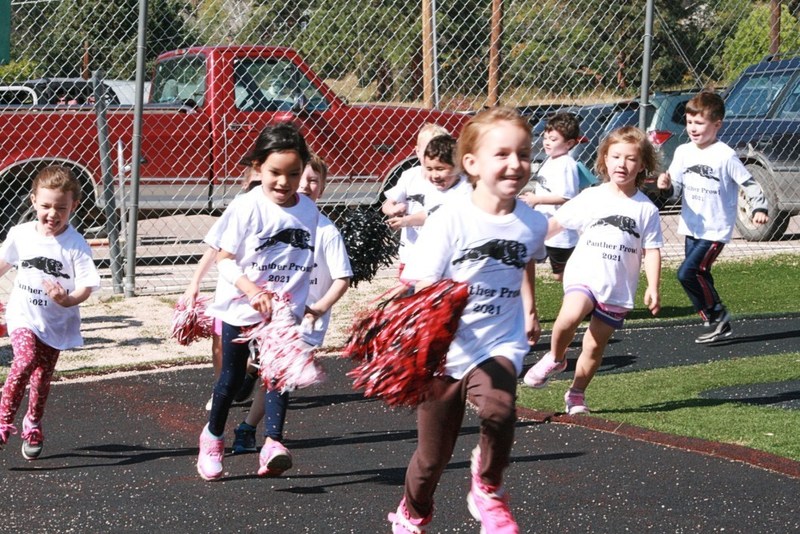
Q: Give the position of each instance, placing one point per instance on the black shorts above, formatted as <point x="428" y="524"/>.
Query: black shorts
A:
<point x="558" y="258"/>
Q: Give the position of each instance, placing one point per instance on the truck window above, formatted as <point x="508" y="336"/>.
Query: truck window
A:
<point x="790" y="107"/>
<point x="273" y="85"/>
<point x="753" y="97"/>
<point x="180" y="80"/>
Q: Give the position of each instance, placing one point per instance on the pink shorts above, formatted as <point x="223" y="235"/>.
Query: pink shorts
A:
<point x="610" y="314"/>
<point x="217" y="327"/>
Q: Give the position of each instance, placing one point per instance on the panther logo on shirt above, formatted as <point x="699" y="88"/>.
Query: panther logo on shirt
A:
<point x="419" y="199"/>
<point x="503" y="250"/>
<point x="703" y="170"/>
<point x="46" y="265"/>
<point x="294" y="237"/>
<point x="626" y="224"/>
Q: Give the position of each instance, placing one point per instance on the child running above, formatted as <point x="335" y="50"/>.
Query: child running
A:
<point x="407" y="197"/>
<point x="620" y="228"/>
<point x="707" y="173"/>
<point x="55" y="273"/>
<point x="330" y="279"/>
<point x="265" y="246"/>
<point x="491" y="242"/>
<point x="558" y="182"/>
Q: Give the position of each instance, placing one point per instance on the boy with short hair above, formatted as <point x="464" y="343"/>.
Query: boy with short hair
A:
<point x="558" y="181"/>
<point x="407" y="197"/>
<point x="708" y="173"/>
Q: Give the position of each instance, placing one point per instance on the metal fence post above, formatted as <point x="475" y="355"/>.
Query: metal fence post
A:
<point x="646" y="56"/>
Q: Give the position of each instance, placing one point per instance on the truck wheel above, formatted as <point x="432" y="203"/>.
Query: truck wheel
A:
<point x="778" y="220"/>
<point x="16" y="207"/>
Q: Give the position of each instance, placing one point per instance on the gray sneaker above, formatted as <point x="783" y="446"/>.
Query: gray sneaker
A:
<point x="32" y="440"/>
<point x="716" y="329"/>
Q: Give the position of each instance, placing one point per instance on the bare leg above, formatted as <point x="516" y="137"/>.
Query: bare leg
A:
<point x="594" y="345"/>
<point x="575" y="307"/>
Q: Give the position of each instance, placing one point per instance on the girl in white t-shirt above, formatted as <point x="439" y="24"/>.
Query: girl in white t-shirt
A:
<point x="55" y="273"/>
<point x="491" y="241"/>
<point x="620" y="229"/>
<point x="265" y="246"/>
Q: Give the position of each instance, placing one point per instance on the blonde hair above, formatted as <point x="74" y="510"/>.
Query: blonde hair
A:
<point x="470" y="136"/>
<point x="57" y="178"/>
<point x="319" y="166"/>
<point x="431" y="129"/>
<point x="634" y="136"/>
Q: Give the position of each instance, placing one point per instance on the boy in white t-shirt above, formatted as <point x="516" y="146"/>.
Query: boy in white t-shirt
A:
<point x="558" y="181"/>
<point x="707" y="173"/>
<point x="407" y="197"/>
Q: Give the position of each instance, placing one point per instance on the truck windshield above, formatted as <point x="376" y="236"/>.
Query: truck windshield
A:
<point x="753" y="97"/>
<point x="269" y="84"/>
<point x="180" y="80"/>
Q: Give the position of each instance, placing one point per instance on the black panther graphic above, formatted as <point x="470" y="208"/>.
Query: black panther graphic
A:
<point x="507" y="252"/>
<point x="46" y="265"/>
<point x="419" y="199"/>
<point x="294" y="237"/>
<point x="626" y="224"/>
<point x="703" y="170"/>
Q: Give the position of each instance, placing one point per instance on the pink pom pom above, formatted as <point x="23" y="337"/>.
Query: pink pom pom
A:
<point x="190" y="323"/>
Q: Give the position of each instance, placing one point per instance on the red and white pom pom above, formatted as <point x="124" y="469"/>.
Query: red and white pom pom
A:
<point x="3" y="325"/>
<point x="287" y="361"/>
<point x="402" y="345"/>
<point x="190" y="323"/>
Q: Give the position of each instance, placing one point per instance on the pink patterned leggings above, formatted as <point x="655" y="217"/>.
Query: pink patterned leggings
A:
<point x="35" y="362"/>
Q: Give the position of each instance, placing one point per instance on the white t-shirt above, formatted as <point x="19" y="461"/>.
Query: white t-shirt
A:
<point x="330" y="263"/>
<point x="273" y="245"/>
<point x="614" y="231"/>
<point x="459" y="191"/>
<point x="66" y="259"/>
<point x="464" y="243"/>
<point x="709" y="179"/>
<point x="412" y="188"/>
<point x="558" y="176"/>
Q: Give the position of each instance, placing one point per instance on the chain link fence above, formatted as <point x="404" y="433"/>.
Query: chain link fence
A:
<point x="360" y="78"/>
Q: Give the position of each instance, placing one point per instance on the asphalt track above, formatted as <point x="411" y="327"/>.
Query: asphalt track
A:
<point x="120" y="457"/>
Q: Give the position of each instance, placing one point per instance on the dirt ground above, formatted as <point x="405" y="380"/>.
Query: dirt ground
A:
<point x="134" y="332"/>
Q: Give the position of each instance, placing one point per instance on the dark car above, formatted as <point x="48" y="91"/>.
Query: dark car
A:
<point x="762" y="123"/>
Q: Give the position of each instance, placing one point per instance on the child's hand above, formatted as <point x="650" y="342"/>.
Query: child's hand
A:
<point x="664" y="181"/>
<point x="760" y="217"/>
<point x="395" y="223"/>
<point x="262" y="303"/>
<point x="190" y="295"/>
<point x="533" y="328"/>
<point x="528" y="198"/>
<point x="56" y="292"/>
<point x="652" y="300"/>
<point x="398" y="209"/>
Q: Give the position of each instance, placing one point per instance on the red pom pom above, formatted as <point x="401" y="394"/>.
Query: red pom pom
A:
<point x="190" y="323"/>
<point x="3" y="325"/>
<point x="402" y="345"/>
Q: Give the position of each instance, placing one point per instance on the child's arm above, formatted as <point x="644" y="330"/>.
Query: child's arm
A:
<point x="553" y="227"/>
<point x="4" y="267"/>
<point x="755" y="197"/>
<point x="59" y="295"/>
<point x="404" y="221"/>
<point x="532" y="199"/>
<point x="392" y="208"/>
<point x="335" y="292"/>
<point x="532" y="326"/>
<point x="200" y="272"/>
<point x="260" y="299"/>
<point x="652" y="271"/>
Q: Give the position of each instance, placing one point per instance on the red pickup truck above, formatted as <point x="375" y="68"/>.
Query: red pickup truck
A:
<point x="206" y="107"/>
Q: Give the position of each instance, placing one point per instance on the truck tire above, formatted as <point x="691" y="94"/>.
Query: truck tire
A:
<point x="16" y="206"/>
<point x="778" y="220"/>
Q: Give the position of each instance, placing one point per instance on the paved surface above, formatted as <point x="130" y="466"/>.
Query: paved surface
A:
<point x="120" y="457"/>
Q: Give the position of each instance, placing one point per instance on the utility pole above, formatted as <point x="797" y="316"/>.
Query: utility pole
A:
<point x="774" y="27"/>
<point x="493" y="97"/>
<point x="427" y="54"/>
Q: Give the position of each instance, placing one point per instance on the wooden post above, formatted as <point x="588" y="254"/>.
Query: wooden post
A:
<point x="775" y="27"/>
<point x="427" y="54"/>
<point x="85" y="68"/>
<point x="493" y="98"/>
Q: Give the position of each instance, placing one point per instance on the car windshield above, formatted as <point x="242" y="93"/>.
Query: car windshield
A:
<point x="754" y="96"/>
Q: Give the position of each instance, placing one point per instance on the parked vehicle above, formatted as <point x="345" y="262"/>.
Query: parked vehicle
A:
<point x="80" y="92"/>
<point x="18" y="95"/>
<point x="762" y="123"/>
<point x="207" y="106"/>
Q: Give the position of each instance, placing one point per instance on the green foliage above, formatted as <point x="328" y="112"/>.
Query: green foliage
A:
<point x="751" y="41"/>
<point x="17" y="71"/>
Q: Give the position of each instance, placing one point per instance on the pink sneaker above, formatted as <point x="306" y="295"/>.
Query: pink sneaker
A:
<point x="576" y="402"/>
<point x="32" y="439"/>
<point x="209" y="461"/>
<point x="274" y="459"/>
<point x="538" y="375"/>
<point x="403" y="523"/>
<point x="491" y="509"/>
<point x="5" y="431"/>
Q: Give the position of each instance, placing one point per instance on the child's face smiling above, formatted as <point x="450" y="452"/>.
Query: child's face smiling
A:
<point x="311" y="183"/>
<point x="501" y="161"/>
<point x="702" y="130"/>
<point x="280" y="177"/>
<point x="624" y="163"/>
<point x="53" y="209"/>
<point x="442" y="175"/>
<point x="555" y="145"/>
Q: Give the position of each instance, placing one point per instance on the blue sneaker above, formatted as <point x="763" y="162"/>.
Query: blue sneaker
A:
<point x="244" y="438"/>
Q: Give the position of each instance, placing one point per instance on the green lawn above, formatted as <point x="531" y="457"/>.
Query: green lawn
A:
<point x="670" y="400"/>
